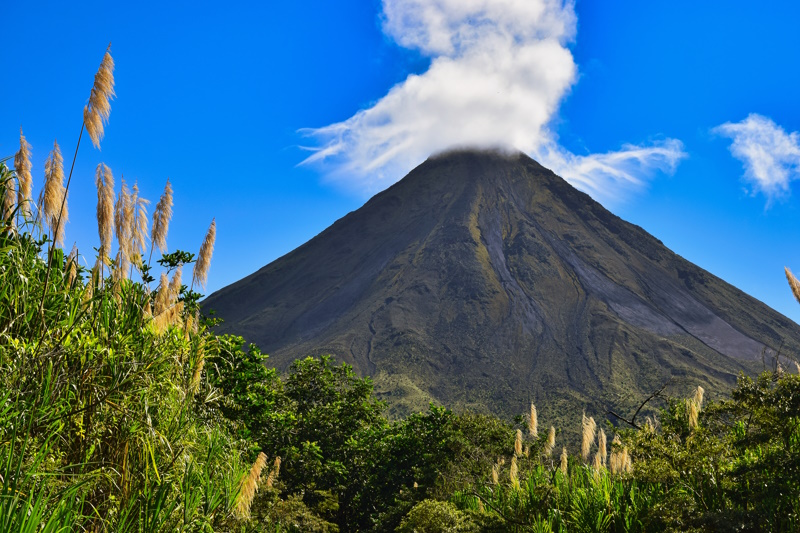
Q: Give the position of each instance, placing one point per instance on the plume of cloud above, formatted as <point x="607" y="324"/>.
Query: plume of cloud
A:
<point x="771" y="157"/>
<point x="498" y="72"/>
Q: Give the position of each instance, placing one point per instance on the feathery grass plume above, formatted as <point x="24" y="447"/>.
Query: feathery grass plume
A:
<point x="162" y="300"/>
<point x="204" y="257"/>
<point x="550" y="443"/>
<point x="161" y="217"/>
<point x="122" y="225"/>
<point x="564" y="460"/>
<point x="249" y="486"/>
<point x="176" y="284"/>
<point x="9" y="200"/>
<point x="88" y="292"/>
<point x="138" y="226"/>
<point x="589" y="427"/>
<point x="496" y="473"/>
<point x="527" y="451"/>
<point x="276" y="469"/>
<point x="692" y="412"/>
<point x="71" y="266"/>
<point x="148" y="309"/>
<point x="597" y="464"/>
<point x="513" y="472"/>
<point x="170" y="317"/>
<point x="104" y="181"/>
<point x="625" y="459"/>
<point x="533" y="422"/>
<point x="796" y="367"/>
<point x="518" y="443"/>
<point x="480" y="506"/>
<point x="53" y="194"/>
<point x="794" y="283"/>
<point x="613" y="460"/>
<point x="698" y="396"/>
<point x="194" y="385"/>
<point x="649" y="427"/>
<point x="22" y="167"/>
<point x="97" y="111"/>
<point x="601" y="445"/>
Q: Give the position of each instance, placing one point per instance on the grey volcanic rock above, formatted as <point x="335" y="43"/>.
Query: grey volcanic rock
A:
<point x="485" y="281"/>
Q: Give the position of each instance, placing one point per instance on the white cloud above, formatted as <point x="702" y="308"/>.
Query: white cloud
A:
<point x="498" y="73"/>
<point x="771" y="156"/>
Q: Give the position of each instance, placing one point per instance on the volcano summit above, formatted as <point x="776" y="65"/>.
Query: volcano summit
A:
<point x="484" y="281"/>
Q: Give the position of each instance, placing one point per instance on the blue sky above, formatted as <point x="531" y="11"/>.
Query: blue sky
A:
<point x="628" y="99"/>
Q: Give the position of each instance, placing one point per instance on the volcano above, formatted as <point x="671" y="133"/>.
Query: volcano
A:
<point x="484" y="281"/>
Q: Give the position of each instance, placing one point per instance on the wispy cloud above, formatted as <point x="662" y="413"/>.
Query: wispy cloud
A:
<point x="498" y="73"/>
<point x="771" y="157"/>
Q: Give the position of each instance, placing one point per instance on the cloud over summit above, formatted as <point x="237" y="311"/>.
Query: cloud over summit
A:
<point x="498" y="73"/>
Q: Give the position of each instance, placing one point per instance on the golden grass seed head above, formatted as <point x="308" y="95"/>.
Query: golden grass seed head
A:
<point x="601" y="445"/>
<point x="693" y="413"/>
<point x="564" y="460"/>
<point x="161" y="218"/>
<point x="496" y="473"/>
<point x="698" y="396"/>
<point x="97" y="111"/>
<point x="138" y="224"/>
<point x="249" y="486"/>
<point x="22" y="167"/>
<point x="588" y="427"/>
<point x="52" y="199"/>
<point x="533" y="422"/>
<point x="9" y="200"/>
<point x="794" y="283"/>
<point x="104" y="180"/>
<point x="176" y="284"/>
<point x="513" y="472"/>
<point x="203" y="262"/>
<point x="550" y="443"/>
<point x="518" y="443"/>
<point x="162" y="296"/>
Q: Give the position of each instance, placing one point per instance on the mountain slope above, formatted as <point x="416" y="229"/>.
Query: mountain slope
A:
<point x="484" y="280"/>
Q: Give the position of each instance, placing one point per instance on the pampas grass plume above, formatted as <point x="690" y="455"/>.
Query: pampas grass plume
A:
<point x="693" y="413"/>
<point x="276" y="468"/>
<point x="698" y="396"/>
<point x="104" y="181"/>
<point x="122" y="222"/>
<point x="794" y="283"/>
<point x="533" y="422"/>
<point x="589" y="427"/>
<point x="513" y="472"/>
<point x="162" y="296"/>
<point x="72" y="265"/>
<point x="161" y="218"/>
<point x="601" y="446"/>
<point x="564" y="460"/>
<point x="175" y="284"/>
<point x="97" y="111"/>
<point x="496" y="473"/>
<point x="249" y="486"/>
<point x="194" y="385"/>
<point x="518" y="443"/>
<point x="138" y="216"/>
<point x="53" y="194"/>
<point x="200" y="275"/>
<point x="550" y="443"/>
<point x="9" y="200"/>
<point x="22" y="167"/>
